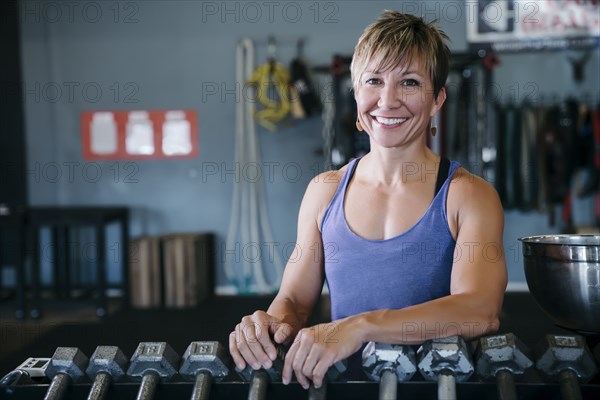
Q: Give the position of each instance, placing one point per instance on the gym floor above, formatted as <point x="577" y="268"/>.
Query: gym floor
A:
<point x="73" y="323"/>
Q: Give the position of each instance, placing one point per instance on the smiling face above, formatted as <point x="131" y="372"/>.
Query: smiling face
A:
<point x="395" y="105"/>
<point x="399" y="69"/>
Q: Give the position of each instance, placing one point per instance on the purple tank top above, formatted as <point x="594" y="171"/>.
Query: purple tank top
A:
<point x="365" y="275"/>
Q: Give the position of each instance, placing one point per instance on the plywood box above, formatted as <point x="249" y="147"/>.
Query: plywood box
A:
<point x="188" y="261"/>
<point x="145" y="272"/>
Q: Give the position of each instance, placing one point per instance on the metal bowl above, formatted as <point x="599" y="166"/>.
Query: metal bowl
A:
<point x="563" y="275"/>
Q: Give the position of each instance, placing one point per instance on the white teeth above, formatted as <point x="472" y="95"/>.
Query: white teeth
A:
<point x="390" y="121"/>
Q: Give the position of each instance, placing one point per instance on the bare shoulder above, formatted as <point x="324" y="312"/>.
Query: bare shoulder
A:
<point x="327" y="182"/>
<point x="468" y="186"/>
<point x="470" y="196"/>
<point x="321" y="190"/>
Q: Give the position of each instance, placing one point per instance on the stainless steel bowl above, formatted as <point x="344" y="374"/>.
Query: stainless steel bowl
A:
<point x="563" y="275"/>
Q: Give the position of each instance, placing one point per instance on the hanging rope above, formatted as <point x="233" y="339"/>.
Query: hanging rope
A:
<point x="249" y="214"/>
<point x="271" y="75"/>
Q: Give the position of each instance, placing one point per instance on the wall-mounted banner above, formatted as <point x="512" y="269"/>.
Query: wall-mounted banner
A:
<point x="139" y="134"/>
<point x="529" y="25"/>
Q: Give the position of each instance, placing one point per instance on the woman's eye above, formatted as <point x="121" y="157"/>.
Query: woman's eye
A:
<point x="373" y="81"/>
<point x="410" y="82"/>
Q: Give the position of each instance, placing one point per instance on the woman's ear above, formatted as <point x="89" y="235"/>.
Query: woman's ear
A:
<point x="438" y="102"/>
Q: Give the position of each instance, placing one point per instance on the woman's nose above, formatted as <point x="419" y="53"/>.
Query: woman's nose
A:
<point x="389" y="97"/>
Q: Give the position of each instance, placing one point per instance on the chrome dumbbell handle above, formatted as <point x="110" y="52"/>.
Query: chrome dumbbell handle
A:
<point x="149" y="385"/>
<point x="446" y="385"/>
<point x="569" y="385"/>
<point x="506" y="385"/>
<point x="100" y="386"/>
<point x="202" y="386"/>
<point x="58" y="387"/>
<point x="388" y="386"/>
<point x="258" y="385"/>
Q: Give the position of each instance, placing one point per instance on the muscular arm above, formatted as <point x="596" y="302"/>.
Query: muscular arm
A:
<point x="304" y="275"/>
<point x="302" y="282"/>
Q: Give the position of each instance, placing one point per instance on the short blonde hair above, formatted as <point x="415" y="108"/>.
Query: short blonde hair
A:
<point x="396" y="38"/>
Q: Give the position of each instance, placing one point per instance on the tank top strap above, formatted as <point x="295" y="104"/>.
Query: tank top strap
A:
<point x="337" y="201"/>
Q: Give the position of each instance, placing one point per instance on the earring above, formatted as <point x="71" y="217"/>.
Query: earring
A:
<point x="433" y="130"/>
<point x="358" y="125"/>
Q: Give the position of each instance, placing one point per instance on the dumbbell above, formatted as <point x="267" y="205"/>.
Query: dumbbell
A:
<point x="500" y="357"/>
<point x="108" y="363"/>
<point x="31" y="370"/>
<point x="152" y="362"/>
<point x="447" y="361"/>
<point x="333" y="374"/>
<point x="388" y="364"/>
<point x="66" y="366"/>
<point x="567" y="359"/>
<point x="203" y="362"/>
<point x="259" y="379"/>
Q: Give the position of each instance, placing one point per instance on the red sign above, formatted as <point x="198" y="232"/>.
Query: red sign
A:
<point x="139" y="134"/>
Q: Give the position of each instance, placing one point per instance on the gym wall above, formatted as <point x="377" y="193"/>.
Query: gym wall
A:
<point x="165" y="55"/>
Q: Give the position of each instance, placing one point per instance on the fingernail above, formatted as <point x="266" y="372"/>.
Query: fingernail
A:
<point x="267" y="364"/>
<point x="240" y="366"/>
<point x="255" y="366"/>
<point x="305" y="386"/>
<point x="272" y="355"/>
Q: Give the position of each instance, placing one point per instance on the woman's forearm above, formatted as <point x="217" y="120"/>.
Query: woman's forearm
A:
<point x="463" y="314"/>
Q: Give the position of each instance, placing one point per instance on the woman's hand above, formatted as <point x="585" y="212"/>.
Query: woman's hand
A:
<point x="251" y="341"/>
<point x="316" y="348"/>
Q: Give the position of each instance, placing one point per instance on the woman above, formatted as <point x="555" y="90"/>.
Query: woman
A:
<point x="411" y="246"/>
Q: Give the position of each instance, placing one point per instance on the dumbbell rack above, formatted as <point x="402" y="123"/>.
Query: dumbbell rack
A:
<point x="348" y="390"/>
<point x="31" y="380"/>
